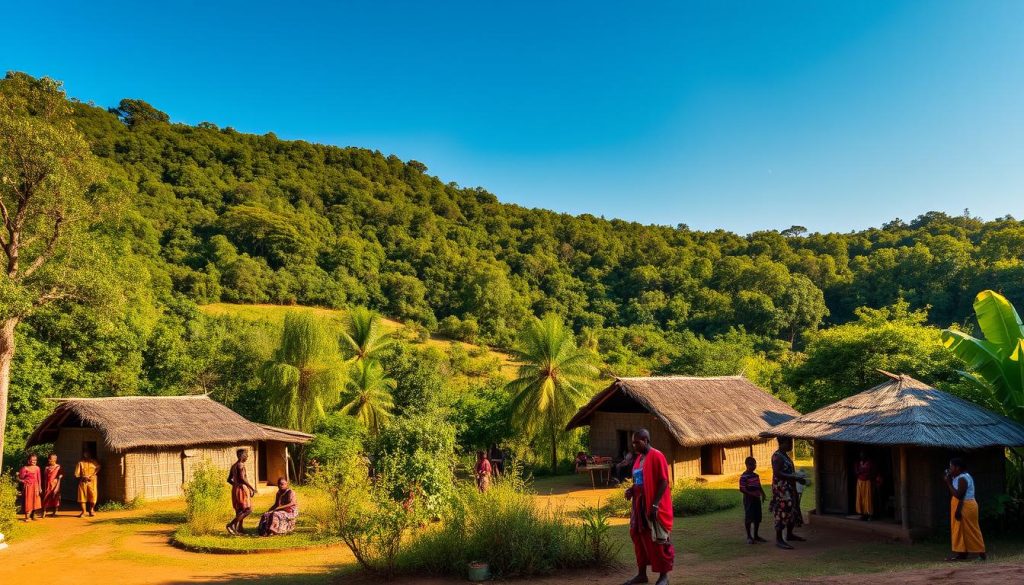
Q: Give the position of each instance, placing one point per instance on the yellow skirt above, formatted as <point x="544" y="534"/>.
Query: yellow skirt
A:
<point x="865" y="498"/>
<point x="966" y="531"/>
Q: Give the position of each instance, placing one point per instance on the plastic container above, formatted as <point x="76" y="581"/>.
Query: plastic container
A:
<point x="479" y="571"/>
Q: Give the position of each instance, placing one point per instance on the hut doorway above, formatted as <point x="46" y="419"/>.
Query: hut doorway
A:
<point x="261" y="462"/>
<point x="623" y="443"/>
<point x="711" y="457"/>
<point x="885" y="487"/>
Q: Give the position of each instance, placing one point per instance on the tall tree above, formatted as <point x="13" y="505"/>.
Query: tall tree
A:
<point x="304" y="377"/>
<point x="554" y="378"/>
<point x="367" y="394"/>
<point x="50" y="205"/>
<point x="364" y="336"/>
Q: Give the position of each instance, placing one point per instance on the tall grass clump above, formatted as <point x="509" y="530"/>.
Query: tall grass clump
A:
<point x="617" y="505"/>
<point x="504" y="528"/>
<point x="8" y="504"/>
<point x="206" y="500"/>
<point x="690" y="498"/>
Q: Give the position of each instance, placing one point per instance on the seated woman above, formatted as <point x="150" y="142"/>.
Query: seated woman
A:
<point x="280" y="519"/>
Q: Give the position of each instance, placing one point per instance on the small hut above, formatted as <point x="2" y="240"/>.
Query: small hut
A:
<point x="705" y="426"/>
<point x="150" y="446"/>
<point x="910" y="431"/>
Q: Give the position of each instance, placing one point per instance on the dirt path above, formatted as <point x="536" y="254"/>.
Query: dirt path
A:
<point x="131" y="547"/>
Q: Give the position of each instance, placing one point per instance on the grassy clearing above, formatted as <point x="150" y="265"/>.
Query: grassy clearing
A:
<point x="304" y="537"/>
<point x="334" y="318"/>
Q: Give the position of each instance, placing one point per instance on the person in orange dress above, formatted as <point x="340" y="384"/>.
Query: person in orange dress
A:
<point x="241" y="492"/>
<point x="31" y="481"/>
<point x="52" y="476"/>
<point x="87" y="471"/>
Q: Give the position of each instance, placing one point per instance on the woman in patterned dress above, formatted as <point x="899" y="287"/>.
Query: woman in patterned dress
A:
<point x="785" y="501"/>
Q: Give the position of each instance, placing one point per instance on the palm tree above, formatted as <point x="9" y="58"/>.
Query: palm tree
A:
<point x="365" y="336"/>
<point x="367" y="394"/>
<point x="553" y="379"/>
<point x="304" y="377"/>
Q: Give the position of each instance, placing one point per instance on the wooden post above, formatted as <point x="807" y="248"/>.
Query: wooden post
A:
<point x="817" y="478"/>
<point x="904" y="490"/>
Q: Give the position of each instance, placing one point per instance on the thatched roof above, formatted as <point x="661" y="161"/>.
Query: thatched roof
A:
<point x="696" y="411"/>
<point x="131" y="422"/>
<point x="904" y="411"/>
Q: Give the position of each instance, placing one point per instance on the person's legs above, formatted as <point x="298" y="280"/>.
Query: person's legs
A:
<point x="642" y="560"/>
<point x="662" y="558"/>
<point x="746" y="525"/>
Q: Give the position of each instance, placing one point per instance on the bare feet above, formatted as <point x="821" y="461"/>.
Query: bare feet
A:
<point x="783" y="545"/>
<point x="750" y="540"/>
<point x="231" y="529"/>
<point x="636" y="580"/>
<point x="662" y="579"/>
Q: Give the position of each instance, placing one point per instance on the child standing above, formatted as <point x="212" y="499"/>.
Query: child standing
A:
<point x="753" y="496"/>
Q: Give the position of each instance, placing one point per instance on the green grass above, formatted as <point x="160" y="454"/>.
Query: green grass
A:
<point x="334" y="318"/>
<point x="303" y="537"/>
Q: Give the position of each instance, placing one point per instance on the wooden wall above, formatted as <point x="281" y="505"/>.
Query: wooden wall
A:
<point x="69" y="446"/>
<point x="685" y="462"/>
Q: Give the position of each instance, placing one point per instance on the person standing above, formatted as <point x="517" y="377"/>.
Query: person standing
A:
<point x="865" y="472"/>
<point x="650" y="518"/>
<point x="31" y="488"/>
<point x="87" y="471"/>
<point x="785" y="501"/>
<point x="242" y="492"/>
<point x="753" y="498"/>
<point x="483" y="471"/>
<point x="963" y="513"/>
<point x="53" y="474"/>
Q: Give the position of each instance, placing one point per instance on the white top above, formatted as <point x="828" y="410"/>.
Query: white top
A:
<point x="969" y="493"/>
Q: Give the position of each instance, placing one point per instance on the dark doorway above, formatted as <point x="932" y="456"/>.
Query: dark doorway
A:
<point x="884" y="488"/>
<point x="711" y="459"/>
<point x="261" y="462"/>
<point x="90" y="446"/>
<point x="623" y="443"/>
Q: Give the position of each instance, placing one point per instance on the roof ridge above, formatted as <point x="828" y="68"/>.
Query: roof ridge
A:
<point x="676" y="377"/>
<point x="133" y="397"/>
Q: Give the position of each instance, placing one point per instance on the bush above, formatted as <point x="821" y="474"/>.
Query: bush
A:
<point x="8" y="504"/>
<point x="412" y="457"/>
<point x="206" y="500"/>
<point x="690" y="498"/>
<point x="504" y="528"/>
<point x="617" y="505"/>
<point x="113" y="506"/>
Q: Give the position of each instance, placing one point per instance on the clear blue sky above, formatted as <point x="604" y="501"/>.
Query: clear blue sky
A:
<point x="740" y="115"/>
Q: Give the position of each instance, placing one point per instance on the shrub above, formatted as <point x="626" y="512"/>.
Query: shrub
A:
<point x="690" y="498"/>
<point x="113" y="506"/>
<point x="206" y="500"/>
<point x="504" y="528"/>
<point x="413" y="459"/>
<point x="617" y="505"/>
<point x="8" y="504"/>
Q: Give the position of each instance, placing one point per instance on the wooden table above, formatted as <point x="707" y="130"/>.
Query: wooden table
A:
<point x="603" y="470"/>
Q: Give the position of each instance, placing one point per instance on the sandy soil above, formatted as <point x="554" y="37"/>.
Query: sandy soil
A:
<point x="131" y="547"/>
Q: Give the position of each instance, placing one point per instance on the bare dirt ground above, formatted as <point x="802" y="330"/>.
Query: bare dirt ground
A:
<point x="131" y="547"/>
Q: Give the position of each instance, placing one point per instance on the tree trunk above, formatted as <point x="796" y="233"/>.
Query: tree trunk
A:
<point x="6" y="357"/>
<point x="554" y="452"/>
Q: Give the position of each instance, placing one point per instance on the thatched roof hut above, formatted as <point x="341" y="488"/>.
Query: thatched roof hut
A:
<point x="150" y="445"/>
<point x="910" y="431"/>
<point x="705" y="425"/>
<point x="905" y="411"/>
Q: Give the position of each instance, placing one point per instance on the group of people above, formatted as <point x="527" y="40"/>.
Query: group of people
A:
<point x="279" y="519"/>
<point x="40" y="488"/>
<point x="650" y="519"/>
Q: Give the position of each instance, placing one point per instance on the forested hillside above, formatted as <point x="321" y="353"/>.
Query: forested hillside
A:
<point x="214" y="215"/>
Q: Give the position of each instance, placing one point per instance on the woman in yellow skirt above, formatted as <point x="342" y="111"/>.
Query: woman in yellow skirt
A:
<point x="963" y="513"/>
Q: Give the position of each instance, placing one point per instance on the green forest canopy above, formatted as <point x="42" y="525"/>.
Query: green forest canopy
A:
<point x="215" y="215"/>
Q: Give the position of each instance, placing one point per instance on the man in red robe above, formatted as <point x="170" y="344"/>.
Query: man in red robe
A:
<point x="650" y="518"/>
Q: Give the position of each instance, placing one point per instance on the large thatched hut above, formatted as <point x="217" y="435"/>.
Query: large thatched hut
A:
<point x="705" y="426"/>
<point x="149" y="446"/>
<point x="910" y="430"/>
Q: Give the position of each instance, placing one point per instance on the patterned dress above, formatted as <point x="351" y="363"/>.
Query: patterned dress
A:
<point x="785" y="504"/>
<point x="282" y="519"/>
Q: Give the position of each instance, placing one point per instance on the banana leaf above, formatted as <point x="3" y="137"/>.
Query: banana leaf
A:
<point x="999" y="321"/>
<point x="980" y="356"/>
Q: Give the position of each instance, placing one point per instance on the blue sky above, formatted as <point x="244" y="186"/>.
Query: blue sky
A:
<point x="735" y="115"/>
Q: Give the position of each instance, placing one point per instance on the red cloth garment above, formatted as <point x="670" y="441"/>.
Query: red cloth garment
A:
<point x="655" y="470"/>
<point x="241" y="501"/>
<point x="51" y="486"/>
<point x="31" y="484"/>
<point x="865" y="471"/>
<point x="660" y="557"/>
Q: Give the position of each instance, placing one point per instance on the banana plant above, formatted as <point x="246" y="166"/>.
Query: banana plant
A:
<point x="995" y="363"/>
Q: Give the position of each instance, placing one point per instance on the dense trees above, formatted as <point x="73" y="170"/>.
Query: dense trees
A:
<point x="211" y="214"/>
